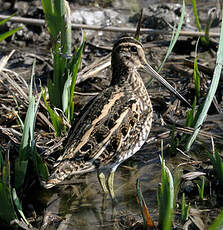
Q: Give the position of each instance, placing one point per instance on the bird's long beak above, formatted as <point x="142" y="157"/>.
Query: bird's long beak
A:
<point x="155" y="75"/>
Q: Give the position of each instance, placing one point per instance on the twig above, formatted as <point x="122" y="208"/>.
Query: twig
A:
<point x="41" y="22"/>
<point x="94" y="68"/>
<point x="5" y="59"/>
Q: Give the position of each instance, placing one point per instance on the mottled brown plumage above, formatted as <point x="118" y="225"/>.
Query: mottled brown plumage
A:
<point x="117" y="122"/>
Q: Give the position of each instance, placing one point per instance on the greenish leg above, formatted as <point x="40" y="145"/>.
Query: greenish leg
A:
<point x="102" y="180"/>
<point x="110" y="184"/>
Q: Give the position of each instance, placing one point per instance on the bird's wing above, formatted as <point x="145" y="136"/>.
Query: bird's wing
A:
<point x="100" y="132"/>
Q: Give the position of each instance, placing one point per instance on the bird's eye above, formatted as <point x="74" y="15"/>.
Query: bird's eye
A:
<point x="133" y="49"/>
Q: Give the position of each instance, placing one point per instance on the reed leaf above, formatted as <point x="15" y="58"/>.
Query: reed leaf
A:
<point x="218" y="222"/>
<point x="165" y="197"/>
<point x="148" y="223"/>
<point x="201" y="188"/>
<point x="211" y="92"/>
<point x="184" y="209"/>
<point x="27" y="146"/>
<point x="196" y="75"/>
<point x="7" y="211"/>
<point x="203" y="38"/>
<point x="74" y="67"/>
<point x="217" y="165"/>
<point x="55" y="118"/>
<point x="27" y="137"/>
<point x="10" y="32"/>
<point x="173" y="41"/>
<point x="18" y="206"/>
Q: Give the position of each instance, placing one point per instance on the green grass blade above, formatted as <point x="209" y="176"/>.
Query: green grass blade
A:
<point x="203" y="38"/>
<point x="56" y="85"/>
<point x="184" y="209"/>
<point x="5" y="20"/>
<point x="211" y="92"/>
<point x="196" y="74"/>
<point x="20" y="172"/>
<point x="194" y="5"/>
<point x="27" y="137"/>
<point x="18" y="205"/>
<point x="50" y="18"/>
<point x="74" y="66"/>
<point x="166" y="198"/>
<point x="59" y="7"/>
<point x="217" y="165"/>
<point x="7" y="212"/>
<point x="40" y="166"/>
<point x="174" y="38"/>
<point x="66" y="64"/>
<point x="218" y="223"/>
<point x="56" y="120"/>
<point x="24" y="148"/>
<point x="190" y="114"/>
<point x="201" y="188"/>
<point x="47" y="7"/>
<point x="1" y="161"/>
<point x="9" y="33"/>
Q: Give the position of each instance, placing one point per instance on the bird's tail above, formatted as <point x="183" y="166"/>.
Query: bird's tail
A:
<point x="67" y="168"/>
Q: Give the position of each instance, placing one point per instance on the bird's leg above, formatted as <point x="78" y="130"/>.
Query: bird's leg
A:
<point x="102" y="180"/>
<point x="110" y="182"/>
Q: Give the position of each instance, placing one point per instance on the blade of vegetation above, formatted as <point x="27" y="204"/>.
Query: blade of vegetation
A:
<point x="18" y="206"/>
<point x="57" y="16"/>
<point x="56" y="119"/>
<point x="27" y="138"/>
<point x="148" y="223"/>
<point x="7" y="211"/>
<point x="165" y="198"/>
<point x="211" y="92"/>
<point x="191" y="116"/>
<point x="174" y="142"/>
<point x="58" y="19"/>
<point x="218" y="223"/>
<point x="75" y="64"/>
<point x="201" y="188"/>
<point x="66" y="65"/>
<point x="196" y="15"/>
<point x="184" y="209"/>
<point x="173" y="41"/>
<point x="40" y="167"/>
<point x="27" y="147"/>
<point x="1" y="160"/>
<point x="203" y="39"/>
<point x="5" y="20"/>
<point x="10" y="32"/>
<point x="196" y="75"/>
<point x="217" y="165"/>
<point x="177" y="181"/>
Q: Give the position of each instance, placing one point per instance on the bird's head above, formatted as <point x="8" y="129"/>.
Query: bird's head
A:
<point x="128" y="55"/>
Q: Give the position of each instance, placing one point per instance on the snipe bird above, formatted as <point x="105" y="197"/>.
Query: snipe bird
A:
<point x="116" y="124"/>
